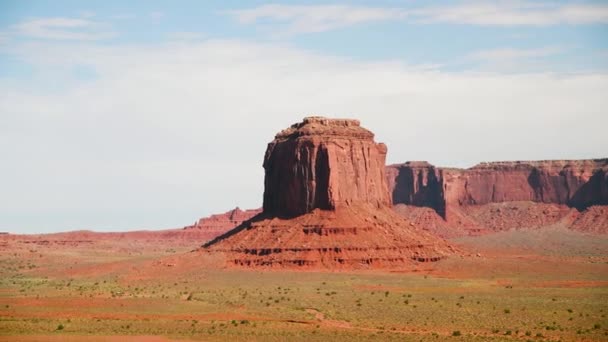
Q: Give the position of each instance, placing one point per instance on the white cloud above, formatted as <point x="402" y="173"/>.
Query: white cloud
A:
<point x="513" y="59"/>
<point x="168" y="133"/>
<point x="512" y="53"/>
<point x="61" y="29"/>
<point x="320" y="18"/>
<point x="515" y="13"/>
<point x="304" y="19"/>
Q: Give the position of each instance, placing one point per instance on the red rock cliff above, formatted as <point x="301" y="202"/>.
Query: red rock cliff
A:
<point x="417" y="183"/>
<point x="323" y="163"/>
<point x="576" y="183"/>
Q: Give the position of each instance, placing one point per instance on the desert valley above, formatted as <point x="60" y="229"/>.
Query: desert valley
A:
<point x="344" y="248"/>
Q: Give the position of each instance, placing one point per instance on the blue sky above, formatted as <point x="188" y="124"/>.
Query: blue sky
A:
<point x="122" y="115"/>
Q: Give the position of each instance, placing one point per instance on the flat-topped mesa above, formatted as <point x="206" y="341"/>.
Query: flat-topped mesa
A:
<point x="555" y="165"/>
<point x="575" y="183"/>
<point x="323" y="163"/>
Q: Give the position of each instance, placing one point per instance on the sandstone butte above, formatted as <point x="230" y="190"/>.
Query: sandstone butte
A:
<point x="495" y="195"/>
<point x="327" y="204"/>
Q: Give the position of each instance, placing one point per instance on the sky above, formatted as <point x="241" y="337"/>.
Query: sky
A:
<point x="124" y="115"/>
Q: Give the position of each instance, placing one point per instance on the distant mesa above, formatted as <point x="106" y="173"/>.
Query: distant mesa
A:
<point x="505" y="191"/>
<point x="327" y="204"/>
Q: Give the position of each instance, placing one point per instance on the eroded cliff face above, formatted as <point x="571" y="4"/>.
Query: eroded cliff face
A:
<point x="576" y="183"/>
<point x="453" y="192"/>
<point x="327" y="205"/>
<point x="417" y="183"/>
<point x="323" y="163"/>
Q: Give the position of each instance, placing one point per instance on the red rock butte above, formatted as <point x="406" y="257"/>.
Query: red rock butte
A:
<point x="323" y="163"/>
<point x="327" y="204"/>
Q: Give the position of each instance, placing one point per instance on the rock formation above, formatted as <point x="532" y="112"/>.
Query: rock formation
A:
<point x="323" y="163"/>
<point x="560" y="184"/>
<point x="327" y="204"/>
<point x="417" y="183"/>
<point x="219" y="224"/>
<point x="576" y="183"/>
<point x="593" y="220"/>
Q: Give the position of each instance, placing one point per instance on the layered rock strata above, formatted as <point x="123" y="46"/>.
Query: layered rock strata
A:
<point x="323" y="163"/>
<point x="327" y="204"/>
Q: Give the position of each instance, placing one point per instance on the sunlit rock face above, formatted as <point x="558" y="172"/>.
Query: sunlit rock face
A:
<point x="324" y="163"/>
<point x="575" y="183"/>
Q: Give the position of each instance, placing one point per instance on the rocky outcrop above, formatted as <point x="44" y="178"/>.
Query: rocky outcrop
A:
<point x="517" y="215"/>
<point x="323" y="163"/>
<point x="327" y="205"/>
<point x="451" y="192"/>
<point x="218" y="224"/>
<point x="592" y="220"/>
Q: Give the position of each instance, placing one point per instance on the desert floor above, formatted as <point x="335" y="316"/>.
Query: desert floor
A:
<point x="542" y="285"/>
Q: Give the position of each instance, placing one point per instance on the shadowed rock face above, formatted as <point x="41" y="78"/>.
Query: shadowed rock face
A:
<point x="575" y="183"/>
<point x="323" y="163"/>
<point x="417" y="183"/>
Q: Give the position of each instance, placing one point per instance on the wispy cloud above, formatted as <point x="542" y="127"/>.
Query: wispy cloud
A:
<point x="305" y="19"/>
<point x="62" y="29"/>
<point x="511" y="53"/>
<point x="512" y="60"/>
<point x="320" y="18"/>
<point x="514" y="14"/>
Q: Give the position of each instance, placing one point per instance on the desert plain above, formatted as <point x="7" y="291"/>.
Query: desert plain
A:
<point x="542" y="285"/>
